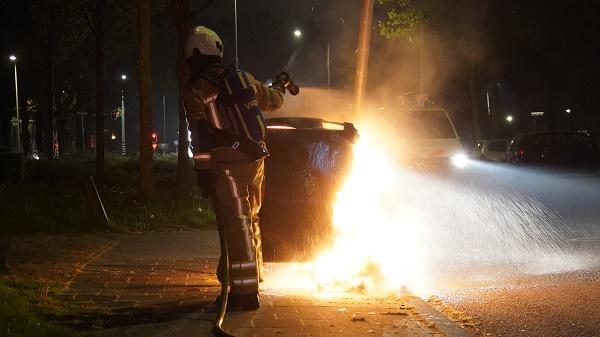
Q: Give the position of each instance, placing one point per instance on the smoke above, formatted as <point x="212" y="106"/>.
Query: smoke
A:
<point x="404" y="228"/>
<point x="331" y="105"/>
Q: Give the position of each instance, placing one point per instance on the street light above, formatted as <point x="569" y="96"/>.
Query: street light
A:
<point x="13" y="59"/>
<point x="123" y="144"/>
<point x="509" y="118"/>
<point x="297" y="33"/>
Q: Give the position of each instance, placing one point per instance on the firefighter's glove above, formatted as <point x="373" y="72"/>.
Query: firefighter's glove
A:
<point x="279" y="86"/>
<point x="206" y="182"/>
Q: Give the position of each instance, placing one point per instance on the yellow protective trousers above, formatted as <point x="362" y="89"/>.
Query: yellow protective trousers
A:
<point x="237" y="199"/>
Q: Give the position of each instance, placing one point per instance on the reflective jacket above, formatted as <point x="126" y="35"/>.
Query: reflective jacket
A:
<point x="200" y="100"/>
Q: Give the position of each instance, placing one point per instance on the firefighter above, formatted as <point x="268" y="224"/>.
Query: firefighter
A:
<point x="224" y="108"/>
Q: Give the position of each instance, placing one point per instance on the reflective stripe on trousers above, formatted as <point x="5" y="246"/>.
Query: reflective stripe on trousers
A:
<point x="237" y="202"/>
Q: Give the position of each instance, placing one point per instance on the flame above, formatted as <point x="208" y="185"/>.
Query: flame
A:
<point x="397" y="229"/>
<point x="378" y="244"/>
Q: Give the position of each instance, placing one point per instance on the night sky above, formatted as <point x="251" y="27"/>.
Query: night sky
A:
<point x="535" y="56"/>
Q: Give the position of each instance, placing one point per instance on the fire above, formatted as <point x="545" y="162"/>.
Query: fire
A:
<point x="378" y="244"/>
<point x="396" y="228"/>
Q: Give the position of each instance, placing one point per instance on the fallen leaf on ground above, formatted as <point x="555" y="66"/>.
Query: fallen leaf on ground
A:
<point x="357" y="316"/>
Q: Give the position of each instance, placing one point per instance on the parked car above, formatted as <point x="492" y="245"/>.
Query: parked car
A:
<point x="554" y="149"/>
<point x="490" y="150"/>
<point x="429" y="141"/>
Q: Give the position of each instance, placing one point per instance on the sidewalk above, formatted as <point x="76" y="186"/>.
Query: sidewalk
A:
<point x="163" y="284"/>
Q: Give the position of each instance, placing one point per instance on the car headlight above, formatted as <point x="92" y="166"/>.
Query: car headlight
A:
<point x="459" y="160"/>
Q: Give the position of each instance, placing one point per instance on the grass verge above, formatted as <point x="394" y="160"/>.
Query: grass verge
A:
<point x="23" y="308"/>
<point x="51" y="199"/>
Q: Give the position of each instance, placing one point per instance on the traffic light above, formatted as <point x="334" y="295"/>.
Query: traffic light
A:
<point x="154" y="140"/>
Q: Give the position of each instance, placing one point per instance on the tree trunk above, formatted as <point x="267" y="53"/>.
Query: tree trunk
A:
<point x="61" y="128"/>
<point x="146" y="187"/>
<point x="183" y="160"/>
<point x="50" y="104"/>
<point x="39" y="127"/>
<point x="99" y="36"/>
<point x="25" y="136"/>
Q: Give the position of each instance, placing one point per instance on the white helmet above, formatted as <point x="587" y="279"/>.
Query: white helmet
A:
<point x="205" y="40"/>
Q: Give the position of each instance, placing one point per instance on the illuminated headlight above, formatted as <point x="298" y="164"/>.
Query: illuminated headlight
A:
<point x="459" y="160"/>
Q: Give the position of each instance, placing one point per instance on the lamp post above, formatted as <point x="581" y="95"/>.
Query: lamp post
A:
<point x="123" y="144"/>
<point x="328" y="67"/>
<point x="164" y="130"/>
<point x="13" y="59"/>
<point x="362" y="55"/>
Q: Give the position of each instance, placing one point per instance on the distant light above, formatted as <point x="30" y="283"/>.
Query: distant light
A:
<point x="537" y="113"/>
<point x="113" y="136"/>
<point x="509" y="118"/>
<point x="297" y="33"/>
<point x="568" y="111"/>
<point x="12" y="58"/>
<point x="123" y="77"/>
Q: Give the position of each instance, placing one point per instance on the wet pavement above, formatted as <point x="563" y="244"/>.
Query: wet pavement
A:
<point x="514" y="302"/>
<point x="565" y="304"/>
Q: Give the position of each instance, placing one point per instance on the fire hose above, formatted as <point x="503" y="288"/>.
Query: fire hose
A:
<point x="218" y="329"/>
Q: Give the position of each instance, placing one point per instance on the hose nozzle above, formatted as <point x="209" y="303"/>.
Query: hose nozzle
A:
<point x="285" y="81"/>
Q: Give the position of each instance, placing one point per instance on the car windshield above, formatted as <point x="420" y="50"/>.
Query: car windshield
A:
<point x="425" y="124"/>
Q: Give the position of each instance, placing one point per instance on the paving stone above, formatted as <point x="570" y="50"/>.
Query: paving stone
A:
<point x="150" y="273"/>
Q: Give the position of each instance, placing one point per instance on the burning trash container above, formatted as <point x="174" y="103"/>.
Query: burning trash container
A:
<point x="309" y="160"/>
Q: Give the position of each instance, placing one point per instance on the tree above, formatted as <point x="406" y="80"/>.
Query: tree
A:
<point x="459" y="28"/>
<point x="182" y="25"/>
<point x="182" y="17"/>
<point x="100" y="17"/>
<point x="146" y="187"/>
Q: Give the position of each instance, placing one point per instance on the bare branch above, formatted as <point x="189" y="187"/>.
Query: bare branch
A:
<point x="120" y="12"/>
<point x="84" y="10"/>
<point x="202" y="8"/>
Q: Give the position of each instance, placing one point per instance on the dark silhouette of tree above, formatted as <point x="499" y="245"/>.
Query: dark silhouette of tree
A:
<point x="146" y="181"/>
<point x="181" y="15"/>
<point x="100" y="17"/>
<point x="459" y="25"/>
<point x="182" y="18"/>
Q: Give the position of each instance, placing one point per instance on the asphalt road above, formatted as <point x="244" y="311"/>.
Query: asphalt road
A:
<point x="566" y="304"/>
<point x="562" y="300"/>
